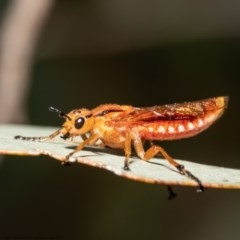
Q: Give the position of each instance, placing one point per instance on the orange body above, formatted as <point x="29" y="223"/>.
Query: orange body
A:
<point x="122" y="126"/>
<point x="112" y="123"/>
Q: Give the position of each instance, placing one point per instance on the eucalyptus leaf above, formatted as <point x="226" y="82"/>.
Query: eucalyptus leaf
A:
<point x="157" y="171"/>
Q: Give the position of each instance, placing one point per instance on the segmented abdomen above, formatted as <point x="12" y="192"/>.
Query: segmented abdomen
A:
<point x="177" y="129"/>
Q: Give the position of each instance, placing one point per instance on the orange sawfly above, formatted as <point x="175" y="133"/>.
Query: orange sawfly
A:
<point x="125" y="126"/>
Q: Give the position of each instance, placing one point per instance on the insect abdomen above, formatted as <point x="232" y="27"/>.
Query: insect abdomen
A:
<point x="177" y="129"/>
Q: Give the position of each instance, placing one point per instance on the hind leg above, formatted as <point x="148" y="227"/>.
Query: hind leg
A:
<point x="155" y="149"/>
<point x="152" y="152"/>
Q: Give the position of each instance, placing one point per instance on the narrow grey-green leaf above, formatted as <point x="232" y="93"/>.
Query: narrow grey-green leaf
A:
<point x="157" y="170"/>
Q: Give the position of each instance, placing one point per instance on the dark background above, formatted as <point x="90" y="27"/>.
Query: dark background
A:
<point x="143" y="54"/>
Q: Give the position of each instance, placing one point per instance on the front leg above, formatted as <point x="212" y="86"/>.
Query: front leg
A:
<point x="91" y="140"/>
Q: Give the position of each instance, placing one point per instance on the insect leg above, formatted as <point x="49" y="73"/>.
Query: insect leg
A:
<point x="100" y="144"/>
<point x="91" y="140"/>
<point x="150" y="153"/>
<point x="84" y="137"/>
<point x="39" y="139"/>
<point x="154" y="150"/>
<point x="171" y="193"/>
<point x="127" y="150"/>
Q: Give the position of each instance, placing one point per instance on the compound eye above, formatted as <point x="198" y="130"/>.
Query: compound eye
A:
<point x="79" y="122"/>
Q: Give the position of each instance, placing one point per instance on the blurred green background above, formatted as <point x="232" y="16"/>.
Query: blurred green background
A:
<point x="139" y="53"/>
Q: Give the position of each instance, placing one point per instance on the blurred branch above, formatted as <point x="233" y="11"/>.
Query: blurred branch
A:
<point x="20" y="29"/>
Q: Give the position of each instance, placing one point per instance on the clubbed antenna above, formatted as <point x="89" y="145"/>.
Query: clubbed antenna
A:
<point x="60" y="113"/>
